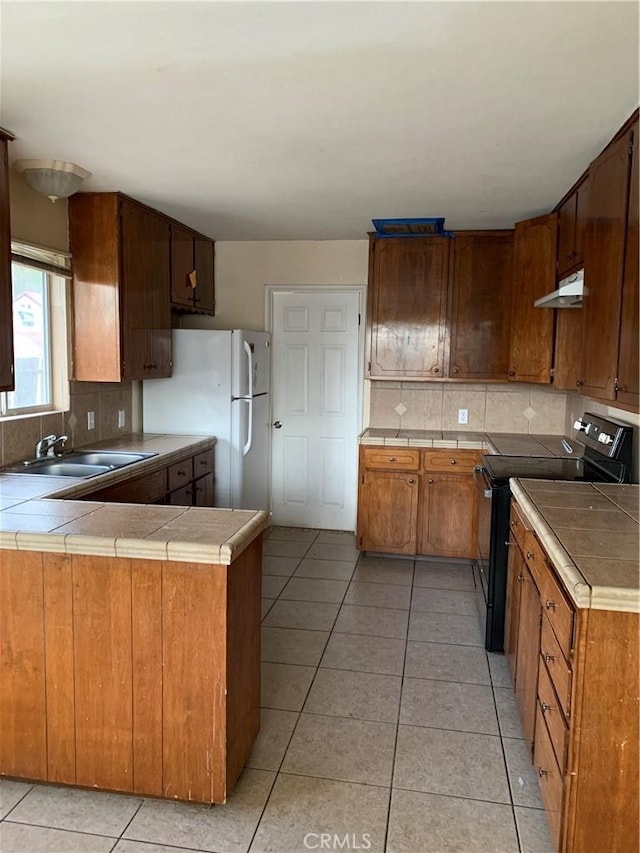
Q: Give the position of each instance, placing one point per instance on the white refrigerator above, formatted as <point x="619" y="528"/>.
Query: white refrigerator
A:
<point x="220" y="387"/>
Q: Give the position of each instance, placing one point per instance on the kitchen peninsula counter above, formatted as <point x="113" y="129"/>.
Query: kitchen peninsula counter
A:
<point x="130" y="634"/>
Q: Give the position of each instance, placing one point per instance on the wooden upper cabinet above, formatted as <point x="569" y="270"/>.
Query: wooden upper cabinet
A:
<point x="572" y="217"/>
<point x="6" y="298"/>
<point x="204" y="296"/>
<point x="480" y="315"/>
<point x="628" y="381"/>
<point x="604" y="266"/>
<point x="534" y="275"/>
<point x="406" y="311"/>
<point x="182" y="265"/>
<point x="121" y="269"/>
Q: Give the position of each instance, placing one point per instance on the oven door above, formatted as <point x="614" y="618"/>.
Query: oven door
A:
<point x="482" y="563"/>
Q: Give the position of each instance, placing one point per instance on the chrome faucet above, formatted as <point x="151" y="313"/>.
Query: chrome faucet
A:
<point x="46" y="446"/>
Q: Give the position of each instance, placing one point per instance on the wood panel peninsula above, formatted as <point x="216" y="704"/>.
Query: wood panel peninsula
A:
<point x="129" y="633"/>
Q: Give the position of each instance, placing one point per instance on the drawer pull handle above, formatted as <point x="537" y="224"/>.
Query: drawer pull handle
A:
<point x="520" y="576"/>
<point x="549" y="658"/>
<point x="529" y="555"/>
<point x="392" y="459"/>
<point x="542" y="772"/>
<point x="182" y="473"/>
<point x="544" y="707"/>
<point x="550" y="605"/>
<point x="202" y="462"/>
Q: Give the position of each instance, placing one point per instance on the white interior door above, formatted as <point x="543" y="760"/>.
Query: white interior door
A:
<point x="315" y="385"/>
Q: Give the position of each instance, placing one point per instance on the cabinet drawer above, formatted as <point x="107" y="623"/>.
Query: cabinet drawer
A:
<point x="536" y="558"/>
<point x="518" y="525"/>
<point x="450" y="460"/>
<point x="558" y="611"/>
<point x="180" y="473"/>
<point x="181" y="497"/>
<point x="203" y="463"/>
<point x="557" y="667"/>
<point x="549" y="777"/>
<point x="390" y="458"/>
<point x="142" y="490"/>
<point x="550" y="708"/>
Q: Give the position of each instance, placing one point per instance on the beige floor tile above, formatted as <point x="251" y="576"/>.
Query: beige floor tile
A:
<point x="227" y="828"/>
<point x="11" y="792"/>
<point x="274" y="565"/>
<point x="365" y="654"/>
<point x="331" y="569"/>
<point x="438" y="576"/>
<point x="285" y="687"/>
<point x="508" y="717"/>
<point x="293" y="534"/>
<point x="266" y="606"/>
<point x="533" y="830"/>
<point x="499" y="669"/>
<point x="272" y="585"/>
<point x="439" y="824"/>
<point x="292" y="645"/>
<point x="309" y="615"/>
<point x="373" y="621"/>
<point x="378" y="595"/>
<point x="314" y="589"/>
<point x="338" y="748"/>
<point x="458" y="764"/>
<point x="361" y="695"/>
<point x="466" y="664"/>
<point x="126" y="846"/>
<point x="384" y="570"/>
<point x="76" y="810"/>
<point x="453" y="601"/>
<point x="445" y="628"/>
<point x="284" y="548"/>
<point x="276" y="728"/>
<point x="300" y="808"/>
<point x="523" y="781"/>
<point x="22" y="838"/>
<point x="448" y="705"/>
<point x="328" y="551"/>
<point x="336" y="537"/>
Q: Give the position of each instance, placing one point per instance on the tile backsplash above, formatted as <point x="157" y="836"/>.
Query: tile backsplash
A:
<point x="491" y="408"/>
<point x="18" y="436"/>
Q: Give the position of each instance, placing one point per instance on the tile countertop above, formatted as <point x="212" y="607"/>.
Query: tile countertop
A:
<point x="506" y="444"/>
<point x="39" y="513"/>
<point x="591" y="533"/>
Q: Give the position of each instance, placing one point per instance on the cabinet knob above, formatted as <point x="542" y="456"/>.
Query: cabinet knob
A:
<point x="436" y="370"/>
<point x="529" y="555"/>
<point x="512" y="373"/>
<point x="456" y="370"/>
<point x="550" y="605"/>
<point x="430" y="482"/>
<point x="392" y="459"/>
<point x="542" y="773"/>
<point x="520" y="577"/>
<point x="453" y="462"/>
<point x="579" y="383"/>
<point x="544" y="707"/>
<point x="411" y="482"/>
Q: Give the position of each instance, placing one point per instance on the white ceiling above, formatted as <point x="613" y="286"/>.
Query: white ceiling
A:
<point x="265" y="121"/>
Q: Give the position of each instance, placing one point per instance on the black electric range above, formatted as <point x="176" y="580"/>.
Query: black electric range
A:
<point x="604" y="457"/>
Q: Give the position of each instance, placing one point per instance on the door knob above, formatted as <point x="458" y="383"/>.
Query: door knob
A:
<point x="277" y="424"/>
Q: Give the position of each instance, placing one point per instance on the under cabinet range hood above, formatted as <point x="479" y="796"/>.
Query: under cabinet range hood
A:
<point x="568" y="295"/>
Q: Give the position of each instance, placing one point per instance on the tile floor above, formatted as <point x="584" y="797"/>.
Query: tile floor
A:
<point x="385" y="726"/>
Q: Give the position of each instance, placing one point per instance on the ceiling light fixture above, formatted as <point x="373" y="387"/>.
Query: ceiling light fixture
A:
<point x="53" y="178"/>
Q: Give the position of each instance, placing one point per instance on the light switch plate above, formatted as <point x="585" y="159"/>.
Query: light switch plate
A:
<point x="463" y="416"/>
<point x="121" y="417"/>
<point x="91" y="420"/>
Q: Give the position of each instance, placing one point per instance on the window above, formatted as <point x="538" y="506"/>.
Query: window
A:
<point x="39" y="284"/>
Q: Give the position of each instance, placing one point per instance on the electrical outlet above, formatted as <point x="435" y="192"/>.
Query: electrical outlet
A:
<point x="121" y="420"/>
<point x="463" y="416"/>
<point x="91" y="420"/>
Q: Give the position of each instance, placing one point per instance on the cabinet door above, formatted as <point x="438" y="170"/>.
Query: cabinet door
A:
<point x="567" y="360"/>
<point x="135" y="260"/>
<point x="512" y="606"/>
<point x="571" y="224"/>
<point x="603" y="268"/>
<point x="203" y="490"/>
<point x="389" y="511"/>
<point x="528" y="651"/>
<point x="407" y="307"/>
<point x="182" y="263"/>
<point x="481" y="306"/>
<point x="6" y="299"/>
<point x="448" y="517"/>
<point x="628" y="358"/>
<point x="157" y="299"/>
<point x="204" y="261"/>
<point x="534" y="275"/>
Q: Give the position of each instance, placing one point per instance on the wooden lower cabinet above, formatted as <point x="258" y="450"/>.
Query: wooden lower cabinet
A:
<point x="413" y="501"/>
<point x="140" y="676"/>
<point x="577" y="683"/>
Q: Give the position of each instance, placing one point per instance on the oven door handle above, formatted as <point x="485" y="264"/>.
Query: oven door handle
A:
<point x="481" y="480"/>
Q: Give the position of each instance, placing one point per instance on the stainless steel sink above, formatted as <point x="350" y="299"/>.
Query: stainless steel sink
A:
<point x="79" y="463"/>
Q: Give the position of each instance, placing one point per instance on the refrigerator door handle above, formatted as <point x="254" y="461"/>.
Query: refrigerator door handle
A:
<point x="247" y="349"/>
<point x="247" y="445"/>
